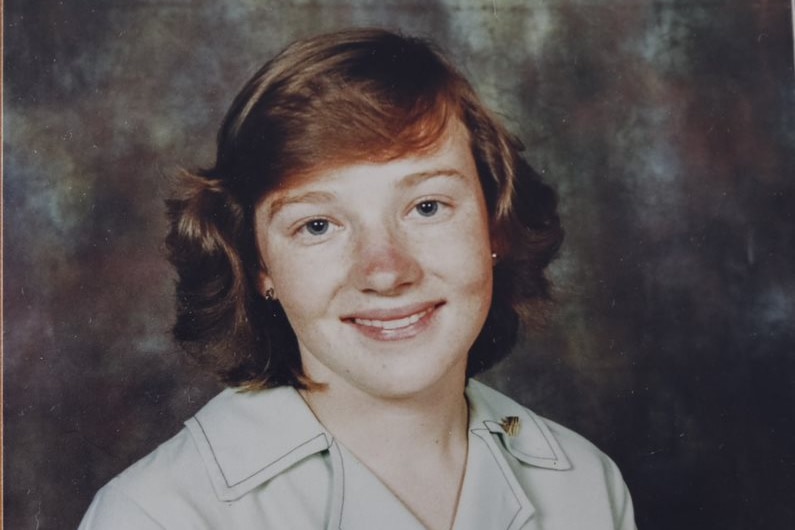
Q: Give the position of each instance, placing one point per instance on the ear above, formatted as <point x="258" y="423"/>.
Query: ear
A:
<point x="264" y="282"/>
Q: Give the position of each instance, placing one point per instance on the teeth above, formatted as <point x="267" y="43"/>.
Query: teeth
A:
<point x="392" y="324"/>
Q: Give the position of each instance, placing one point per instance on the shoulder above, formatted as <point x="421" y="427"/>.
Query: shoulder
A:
<point x="582" y="452"/>
<point x="236" y="442"/>
<point x="555" y="463"/>
<point x="536" y="438"/>
<point x="158" y="491"/>
<point x="167" y="478"/>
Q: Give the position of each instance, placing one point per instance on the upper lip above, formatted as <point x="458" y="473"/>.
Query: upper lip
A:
<point x="386" y="314"/>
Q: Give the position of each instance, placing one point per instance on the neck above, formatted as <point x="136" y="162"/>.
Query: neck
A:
<point x="416" y="445"/>
<point x="435" y="420"/>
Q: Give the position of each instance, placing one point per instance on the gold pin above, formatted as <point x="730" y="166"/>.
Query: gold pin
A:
<point x="510" y="424"/>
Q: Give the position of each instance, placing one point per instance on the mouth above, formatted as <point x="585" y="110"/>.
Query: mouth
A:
<point x="395" y="324"/>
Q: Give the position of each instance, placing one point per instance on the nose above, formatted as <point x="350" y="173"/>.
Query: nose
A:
<point x="385" y="263"/>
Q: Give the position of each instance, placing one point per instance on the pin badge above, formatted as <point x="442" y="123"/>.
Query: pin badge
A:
<point x="510" y="424"/>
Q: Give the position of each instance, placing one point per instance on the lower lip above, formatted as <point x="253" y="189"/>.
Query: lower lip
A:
<point x="407" y="332"/>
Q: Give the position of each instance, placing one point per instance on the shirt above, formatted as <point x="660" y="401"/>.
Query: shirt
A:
<point x="262" y="460"/>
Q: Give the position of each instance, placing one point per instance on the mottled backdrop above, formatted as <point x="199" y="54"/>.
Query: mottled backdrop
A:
<point x="667" y="127"/>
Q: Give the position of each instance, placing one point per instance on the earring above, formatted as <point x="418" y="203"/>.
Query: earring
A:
<point x="494" y="255"/>
<point x="269" y="294"/>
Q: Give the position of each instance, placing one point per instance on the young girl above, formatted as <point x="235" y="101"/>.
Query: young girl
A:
<point x="368" y="239"/>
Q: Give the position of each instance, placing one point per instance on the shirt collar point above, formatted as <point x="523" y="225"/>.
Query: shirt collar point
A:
<point x="247" y="438"/>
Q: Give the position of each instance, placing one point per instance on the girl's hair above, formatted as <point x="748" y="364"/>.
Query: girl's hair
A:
<point x="364" y="94"/>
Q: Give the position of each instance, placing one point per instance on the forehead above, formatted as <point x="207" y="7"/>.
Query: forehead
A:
<point x="450" y="147"/>
<point x="449" y="157"/>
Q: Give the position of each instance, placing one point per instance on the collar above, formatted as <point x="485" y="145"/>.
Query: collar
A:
<point x="247" y="438"/>
<point x="531" y="443"/>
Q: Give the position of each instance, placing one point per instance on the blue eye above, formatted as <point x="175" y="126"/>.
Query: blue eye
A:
<point x="317" y="227"/>
<point x="427" y="208"/>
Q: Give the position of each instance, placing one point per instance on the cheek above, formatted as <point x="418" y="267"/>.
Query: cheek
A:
<point x="477" y="268"/>
<point x="304" y="282"/>
<point x="298" y="295"/>
<point x="461" y="254"/>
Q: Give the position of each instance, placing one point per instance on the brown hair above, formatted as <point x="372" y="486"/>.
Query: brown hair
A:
<point x="335" y="98"/>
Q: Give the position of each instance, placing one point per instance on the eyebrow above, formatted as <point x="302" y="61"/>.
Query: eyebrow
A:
<point x="315" y="197"/>
<point x="413" y="179"/>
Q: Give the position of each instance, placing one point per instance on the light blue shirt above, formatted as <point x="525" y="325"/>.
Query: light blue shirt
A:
<point x="261" y="460"/>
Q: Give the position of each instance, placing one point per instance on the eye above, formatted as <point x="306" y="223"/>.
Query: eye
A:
<point x="317" y="227"/>
<point x="427" y="208"/>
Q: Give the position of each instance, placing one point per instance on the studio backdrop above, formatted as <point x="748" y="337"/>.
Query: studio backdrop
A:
<point x="667" y="128"/>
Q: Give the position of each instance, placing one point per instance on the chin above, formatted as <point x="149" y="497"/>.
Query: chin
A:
<point x="406" y="382"/>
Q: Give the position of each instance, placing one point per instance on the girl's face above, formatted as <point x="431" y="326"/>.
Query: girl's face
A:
<point x="384" y="270"/>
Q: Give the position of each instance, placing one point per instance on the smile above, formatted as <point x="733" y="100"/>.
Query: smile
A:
<point x="393" y="324"/>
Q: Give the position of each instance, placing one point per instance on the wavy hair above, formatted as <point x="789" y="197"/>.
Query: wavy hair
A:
<point x="331" y="99"/>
